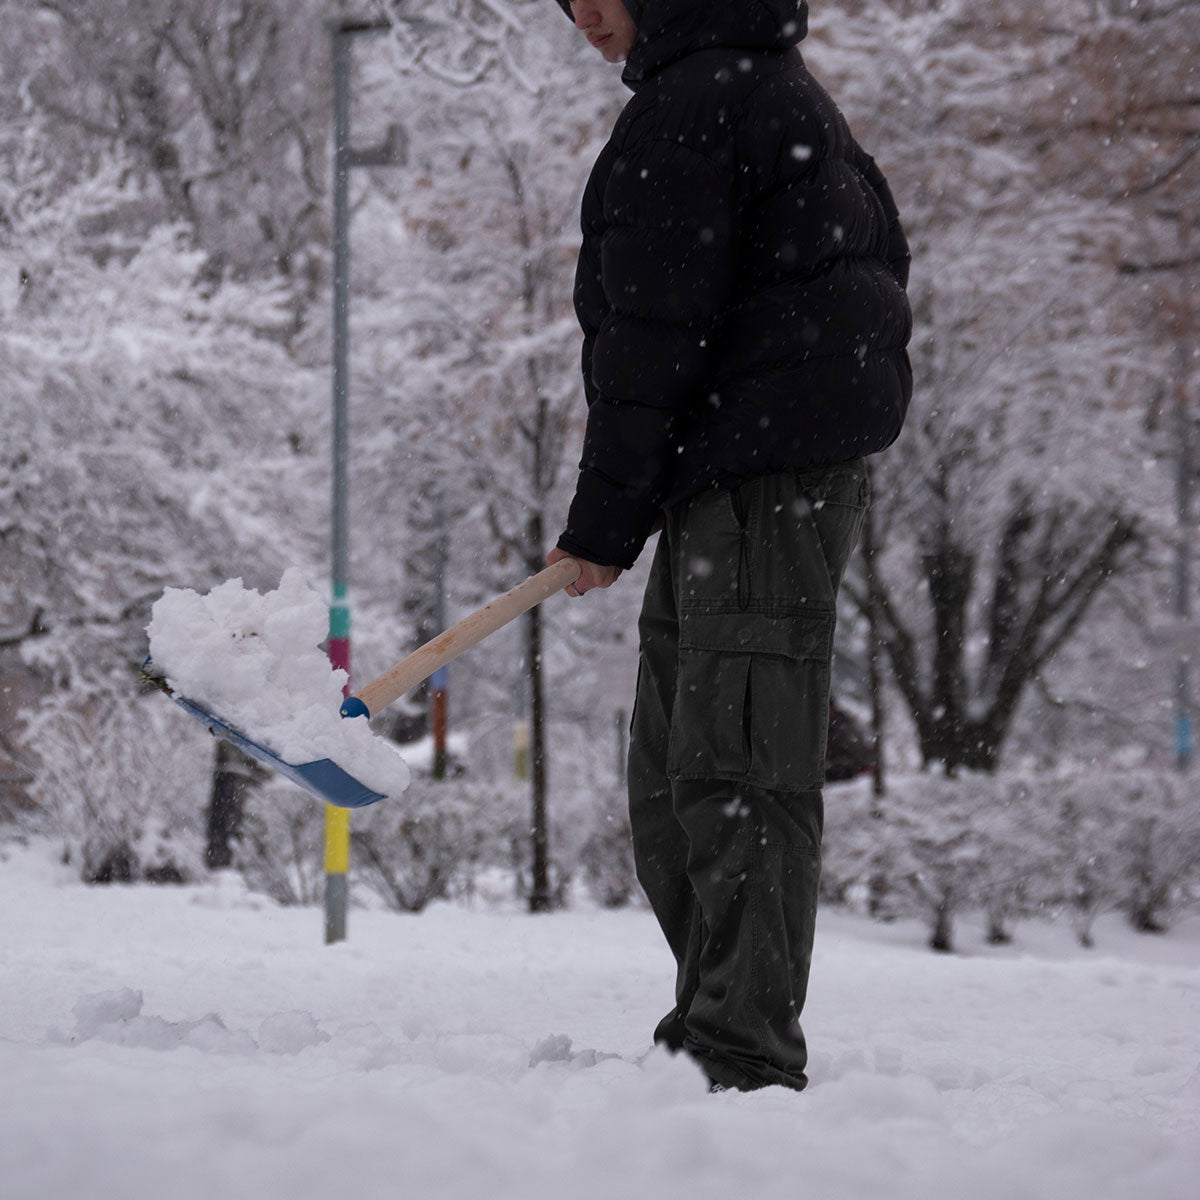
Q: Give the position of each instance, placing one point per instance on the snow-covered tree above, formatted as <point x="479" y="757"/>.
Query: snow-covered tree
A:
<point x="153" y="436"/>
<point x="1019" y="489"/>
<point x="221" y="105"/>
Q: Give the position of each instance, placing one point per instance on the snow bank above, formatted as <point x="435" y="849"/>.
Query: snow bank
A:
<point x="255" y="662"/>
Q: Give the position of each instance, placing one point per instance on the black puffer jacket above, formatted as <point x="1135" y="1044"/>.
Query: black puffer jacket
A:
<point x="741" y="281"/>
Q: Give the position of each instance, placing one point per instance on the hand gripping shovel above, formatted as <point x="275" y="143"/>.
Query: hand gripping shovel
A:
<point x="323" y="777"/>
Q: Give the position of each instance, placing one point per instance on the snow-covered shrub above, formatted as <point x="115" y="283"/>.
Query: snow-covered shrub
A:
<point x="1018" y="862"/>
<point x="606" y="858"/>
<point x="430" y="842"/>
<point x="434" y="840"/>
<point x="1160" y="841"/>
<point x="1075" y="842"/>
<point x="1090" y="875"/>
<point x="938" y="849"/>
<point x="122" y="788"/>
<point x="425" y="844"/>
<point x="916" y="851"/>
<point x="282" y="844"/>
<point x="1125" y="840"/>
<point x="853" y="848"/>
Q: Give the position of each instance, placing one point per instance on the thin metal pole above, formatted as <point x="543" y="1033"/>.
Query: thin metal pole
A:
<point x="341" y="284"/>
<point x="337" y="824"/>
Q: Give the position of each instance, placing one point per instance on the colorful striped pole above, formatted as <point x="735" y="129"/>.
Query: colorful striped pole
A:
<point x="339" y="630"/>
<point x="337" y="823"/>
<point x="440" y="685"/>
<point x="389" y="153"/>
<point x="337" y="820"/>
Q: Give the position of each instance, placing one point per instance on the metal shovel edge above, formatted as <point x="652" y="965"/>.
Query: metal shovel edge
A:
<point x="322" y="777"/>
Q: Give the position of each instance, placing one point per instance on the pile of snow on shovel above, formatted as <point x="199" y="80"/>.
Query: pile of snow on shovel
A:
<point x="255" y="662"/>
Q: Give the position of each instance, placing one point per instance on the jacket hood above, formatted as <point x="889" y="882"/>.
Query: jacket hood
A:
<point x="670" y="29"/>
<point x="634" y="6"/>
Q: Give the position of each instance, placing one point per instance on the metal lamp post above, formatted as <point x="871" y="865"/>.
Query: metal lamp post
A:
<point x="391" y="152"/>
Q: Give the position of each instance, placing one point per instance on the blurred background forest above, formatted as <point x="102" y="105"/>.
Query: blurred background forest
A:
<point x="1013" y="681"/>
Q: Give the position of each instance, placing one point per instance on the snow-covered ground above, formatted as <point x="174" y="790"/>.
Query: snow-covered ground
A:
<point x="202" y="1042"/>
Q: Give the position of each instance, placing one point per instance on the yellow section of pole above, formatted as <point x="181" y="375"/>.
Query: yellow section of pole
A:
<point x="337" y="840"/>
<point x="337" y="864"/>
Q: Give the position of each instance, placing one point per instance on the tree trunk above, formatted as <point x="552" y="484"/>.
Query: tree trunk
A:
<point x="540" y="898"/>
<point x="875" y="650"/>
<point x="997" y="931"/>
<point x="942" y="938"/>
<point x="950" y="571"/>
<point x="1051" y="566"/>
<point x="539" y="892"/>
<point x="233" y="774"/>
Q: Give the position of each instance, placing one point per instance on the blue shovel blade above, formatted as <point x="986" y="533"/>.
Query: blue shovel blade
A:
<point x="323" y="777"/>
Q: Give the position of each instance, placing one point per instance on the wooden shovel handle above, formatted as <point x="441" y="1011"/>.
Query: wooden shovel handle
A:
<point x="422" y="663"/>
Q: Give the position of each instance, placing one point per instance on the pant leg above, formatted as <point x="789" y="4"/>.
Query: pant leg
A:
<point x="659" y="841"/>
<point x="756" y="885"/>
<point x="755" y="575"/>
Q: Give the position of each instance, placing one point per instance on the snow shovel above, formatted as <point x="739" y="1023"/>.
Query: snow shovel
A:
<point x="323" y="777"/>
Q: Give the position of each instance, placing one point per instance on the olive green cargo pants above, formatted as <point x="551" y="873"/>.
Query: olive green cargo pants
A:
<point x="726" y="758"/>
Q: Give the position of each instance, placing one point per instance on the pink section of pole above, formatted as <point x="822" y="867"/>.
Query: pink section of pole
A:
<point x="339" y="658"/>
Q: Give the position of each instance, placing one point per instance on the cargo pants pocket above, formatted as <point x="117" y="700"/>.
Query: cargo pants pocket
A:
<point x="752" y="700"/>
